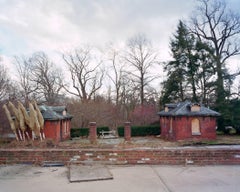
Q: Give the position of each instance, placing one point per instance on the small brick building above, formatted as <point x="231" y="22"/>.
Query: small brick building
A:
<point x="57" y="122"/>
<point x="186" y="120"/>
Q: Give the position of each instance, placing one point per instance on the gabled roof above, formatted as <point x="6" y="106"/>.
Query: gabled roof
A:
<point x="54" y="112"/>
<point x="184" y="109"/>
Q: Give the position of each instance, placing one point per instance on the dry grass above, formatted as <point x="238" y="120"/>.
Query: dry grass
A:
<point x="136" y="142"/>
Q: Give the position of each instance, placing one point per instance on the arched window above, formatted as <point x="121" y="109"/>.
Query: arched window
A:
<point x="196" y="127"/>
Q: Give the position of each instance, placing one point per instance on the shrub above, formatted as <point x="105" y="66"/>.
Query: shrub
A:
<point x="120" y="131"/>
<point x="141" y="130"/>
<point x="79" y="132"/>
<point x="99" y="129"/>
<point x="237" y="130"/>
<point x="84" y="132"/>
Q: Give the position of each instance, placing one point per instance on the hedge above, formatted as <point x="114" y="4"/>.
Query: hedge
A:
<point x="79" y="132"/>
<point x="135" y="131"/>
<point x="141" y="130"/>
<point x="99" y="129"/>
<point x="84" y="132"/>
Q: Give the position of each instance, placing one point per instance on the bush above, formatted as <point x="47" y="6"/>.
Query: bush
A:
<point x="120" y="131"/>
<point x="237" y="130"/>
<point x="99" y="129"/>
<point x="141" y="130"/>
<point x="84" y="132"/>
<point x="79" y="132"/>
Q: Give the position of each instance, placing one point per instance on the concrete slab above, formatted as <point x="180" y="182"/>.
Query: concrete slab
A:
<point x="80" y="173"/>
<point x="198" y="179"/>
<point x="140" y="178"/>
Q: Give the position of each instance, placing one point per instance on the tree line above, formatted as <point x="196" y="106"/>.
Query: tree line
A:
<point x="200" y="49"/>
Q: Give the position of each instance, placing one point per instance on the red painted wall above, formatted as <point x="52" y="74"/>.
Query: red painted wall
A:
<point x="66" y="129"/>
<point x="182" y="128"/>
<point x="57" y="130"/>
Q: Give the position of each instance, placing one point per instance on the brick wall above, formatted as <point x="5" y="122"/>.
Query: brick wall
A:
<point x="181" y="128"/>
<point x="57" y="130"/>
<point x="208" y="127"/>
<point x="164" y="156"/>
<point x="52" y="130"/>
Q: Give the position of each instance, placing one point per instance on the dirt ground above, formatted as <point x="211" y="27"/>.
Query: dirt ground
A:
<point x="151" y="142"/>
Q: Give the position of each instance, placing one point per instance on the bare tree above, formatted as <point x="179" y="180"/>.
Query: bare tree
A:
<point x="220" y="27"/>
<point x="86" y="74"/>
<point x="39" y="78"/>
<point x="27" y="86"/>
<point x="48" y="80"/>
<point x="142" y="58"/>
<point x="117" y="74"/>
<point x="4" y="82"/>
<point x="8" y="91"/>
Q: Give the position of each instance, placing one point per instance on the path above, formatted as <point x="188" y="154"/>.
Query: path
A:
<point x="154" y="178"/>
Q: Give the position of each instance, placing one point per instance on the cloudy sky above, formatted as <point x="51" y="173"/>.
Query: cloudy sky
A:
<point x="54" y="26"/>
<point x="32" y="25"/>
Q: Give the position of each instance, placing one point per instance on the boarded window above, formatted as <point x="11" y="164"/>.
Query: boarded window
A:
<point x="166" y="109"/>
<point x="195" y="127"/>
<point x="195" y="108"/>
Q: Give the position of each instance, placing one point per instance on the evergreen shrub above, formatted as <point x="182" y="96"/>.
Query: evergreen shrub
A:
<point x="145" y="130"/>
<point x="84" y="132"/>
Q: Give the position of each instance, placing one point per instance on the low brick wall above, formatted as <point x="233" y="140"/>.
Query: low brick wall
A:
<point x="163" y="156"/>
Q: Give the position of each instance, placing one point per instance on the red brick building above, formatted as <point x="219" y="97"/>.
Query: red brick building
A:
<point x="57" y="122"/>
<point x="187" y="120"/>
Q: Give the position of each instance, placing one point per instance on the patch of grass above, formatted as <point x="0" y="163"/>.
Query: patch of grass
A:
<point x="4" y="141"/>
<point x="220" y="140"/>
<point x="220" y="133"/>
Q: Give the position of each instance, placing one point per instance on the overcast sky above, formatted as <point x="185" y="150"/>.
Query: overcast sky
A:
<point x="53" y="26"/>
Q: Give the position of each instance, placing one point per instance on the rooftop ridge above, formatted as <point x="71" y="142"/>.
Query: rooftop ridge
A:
<point x="182" y="109"/>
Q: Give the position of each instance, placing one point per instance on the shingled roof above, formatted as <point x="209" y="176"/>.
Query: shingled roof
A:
<point x="184" y="109"/>
<point x="54" y="112"/>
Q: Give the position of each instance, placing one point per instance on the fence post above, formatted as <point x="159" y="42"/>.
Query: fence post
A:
<point x="93" y="132"/>
<point x="127" y="131"/>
